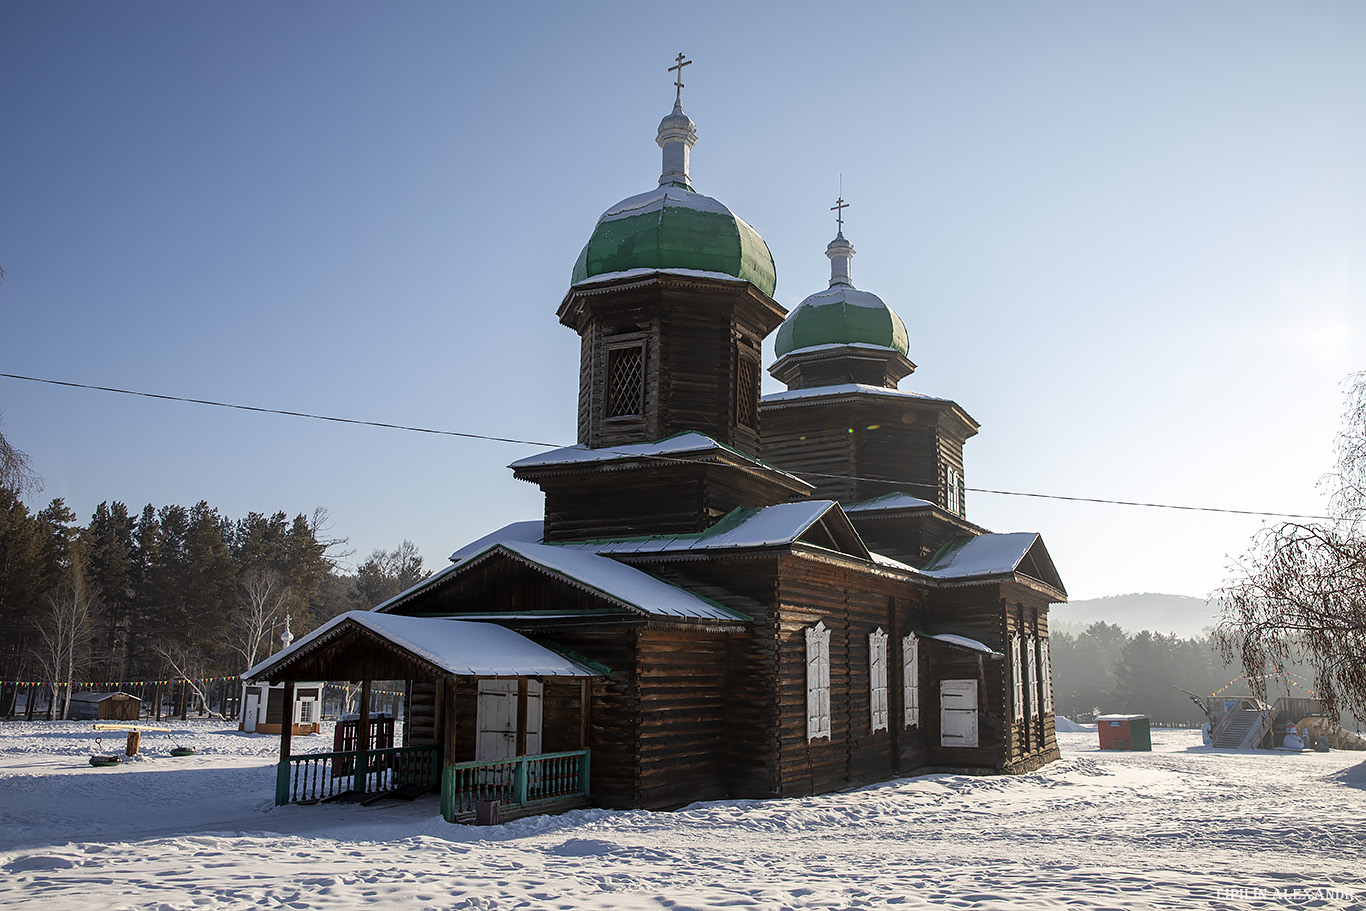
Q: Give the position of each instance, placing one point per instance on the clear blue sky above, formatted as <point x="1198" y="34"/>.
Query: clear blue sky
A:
<point x="1127" y="237"/>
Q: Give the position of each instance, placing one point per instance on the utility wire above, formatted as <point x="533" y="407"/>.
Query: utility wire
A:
<point x="664" y="458"/>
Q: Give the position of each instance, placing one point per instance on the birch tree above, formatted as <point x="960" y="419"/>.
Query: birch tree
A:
<point x="1299" y="593"/>
<point x="265" y="597"/>
<point x="63" y="647"/>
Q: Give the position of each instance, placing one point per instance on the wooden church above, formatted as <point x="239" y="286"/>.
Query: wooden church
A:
<point x="729" y="595"/>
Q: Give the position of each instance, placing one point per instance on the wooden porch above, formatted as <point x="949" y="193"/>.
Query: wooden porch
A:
<point x="500" y="719"/>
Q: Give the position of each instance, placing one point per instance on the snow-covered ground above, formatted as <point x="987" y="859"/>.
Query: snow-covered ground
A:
<point x="1180" y="827"/>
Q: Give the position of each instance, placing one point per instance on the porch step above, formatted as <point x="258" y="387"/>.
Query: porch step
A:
<point x="509" y="812"/>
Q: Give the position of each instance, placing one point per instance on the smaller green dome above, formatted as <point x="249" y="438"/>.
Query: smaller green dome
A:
<point x="841" y="315"/>
<point x="672" y="227"/>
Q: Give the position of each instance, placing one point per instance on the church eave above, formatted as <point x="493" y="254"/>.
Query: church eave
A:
<point x="710" y="286"/>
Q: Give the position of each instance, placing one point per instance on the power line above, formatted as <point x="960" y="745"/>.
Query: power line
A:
<point x="541" y="443"/>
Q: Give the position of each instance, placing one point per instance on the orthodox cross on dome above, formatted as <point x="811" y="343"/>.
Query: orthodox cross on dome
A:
<point x="838" y="208"/>
<point x="678" y="80"/>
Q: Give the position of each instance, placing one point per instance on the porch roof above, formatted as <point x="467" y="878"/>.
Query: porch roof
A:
<point x="435" y="645"/>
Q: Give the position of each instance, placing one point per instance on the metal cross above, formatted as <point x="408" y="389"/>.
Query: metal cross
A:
<point x="838" y="208"/>
<point x="678" y="81"/>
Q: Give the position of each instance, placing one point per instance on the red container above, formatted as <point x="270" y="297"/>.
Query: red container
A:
<point x="1124" y="732"/>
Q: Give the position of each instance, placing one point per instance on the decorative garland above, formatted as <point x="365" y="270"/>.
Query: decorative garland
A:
<point x="1280" y="674"/>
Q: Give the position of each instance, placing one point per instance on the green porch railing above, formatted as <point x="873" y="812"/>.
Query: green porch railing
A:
<point x="519" y="780"/>
<point x="311" y="777"/>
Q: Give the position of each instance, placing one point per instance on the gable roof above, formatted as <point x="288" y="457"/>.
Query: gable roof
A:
<point x="990" y="555"/>
<point x="458" y="647"/>
<point x="625" y="585"/>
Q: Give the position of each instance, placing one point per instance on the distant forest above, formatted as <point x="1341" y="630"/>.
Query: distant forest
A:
<point x="171" y="592"/>
<point x="185" y="592"/>
<point x="1108" y="670"/>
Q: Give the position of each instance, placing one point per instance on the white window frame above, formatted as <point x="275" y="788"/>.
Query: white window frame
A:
<point x="1045" y="677"/>
<point x="910" y="680"/>
<point x="877" y="679"/>
<point x="817" y="681"/>
<point x="1032" y="675"/>
<point x="1017" y="676"/>
<point x="955" y="499"/>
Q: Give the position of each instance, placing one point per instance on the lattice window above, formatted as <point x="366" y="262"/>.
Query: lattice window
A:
<point x="747" y="393"/>
<point x="625" y="381"/>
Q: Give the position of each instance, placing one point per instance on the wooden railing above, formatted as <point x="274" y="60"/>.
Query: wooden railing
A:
<point x="519" y="780"/>
<point x="311" y="777"/>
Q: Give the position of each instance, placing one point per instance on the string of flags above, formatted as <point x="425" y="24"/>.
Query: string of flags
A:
<point x="121" y="683"/>
<point x="1279" y="674"/>
<point x="101" y="684"/>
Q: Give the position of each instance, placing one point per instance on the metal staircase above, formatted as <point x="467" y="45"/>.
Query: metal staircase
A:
<point x="1244" y="728"/>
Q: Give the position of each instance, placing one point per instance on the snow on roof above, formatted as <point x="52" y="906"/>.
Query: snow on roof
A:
<point x="531" y="531"/>
<point x="571" y="455"/>
<point x="964" y="642"/>
<point x="847" y="389"/>
<point x="1120" y="717"/>
<point x="840" y="346"/>
<point x="984" y="555"/>
<point x="679" y="444"/>
<point x="460" y="647"/>
<point x="656" y="199"/>
<point x="98" y="697"/>
<point x="888" y="562"/>
<point x="621" y="583"/>
<point x="640" y="273"/>
<point x="888" y="502"/>
<point x="754" y="527"/>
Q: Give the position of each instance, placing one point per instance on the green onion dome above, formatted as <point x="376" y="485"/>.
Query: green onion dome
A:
<point x="672" y="227"/>
<point x="841" y="314"/>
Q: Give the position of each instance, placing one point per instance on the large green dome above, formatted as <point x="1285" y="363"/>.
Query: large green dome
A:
<point x="841" y="315"/>
<point x="672" y="227"/>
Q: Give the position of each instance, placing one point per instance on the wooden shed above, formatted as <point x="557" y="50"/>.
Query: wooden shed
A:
<point x="105" y="706"/>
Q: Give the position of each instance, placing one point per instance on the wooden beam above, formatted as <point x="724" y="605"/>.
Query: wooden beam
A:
<point x="446" y="733"/>
<point x="521" y="715"/>
<point x="362" y="737"/>
<point x="585" y="703"/>
<point x="286" y="732"/>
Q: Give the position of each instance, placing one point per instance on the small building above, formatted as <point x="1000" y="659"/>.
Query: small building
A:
<point x="263" y="708"/>
<point x="1125" y="732"/>
<point x="105" y="707"/>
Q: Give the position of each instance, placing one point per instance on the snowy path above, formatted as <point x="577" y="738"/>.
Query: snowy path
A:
<point x="1182" y="827"/>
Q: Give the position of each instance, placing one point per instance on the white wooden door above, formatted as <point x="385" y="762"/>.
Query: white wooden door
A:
<point x="958" y="713"/>
<point x="496" y="720"/>
<point x="253" y="708"/>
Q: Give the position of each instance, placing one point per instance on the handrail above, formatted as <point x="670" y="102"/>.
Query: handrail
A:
<point x="309" y="777"/>
<point x="518" y="780"/>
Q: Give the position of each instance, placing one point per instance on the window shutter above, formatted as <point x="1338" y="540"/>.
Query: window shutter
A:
<point x="910" y="680"/>
<point x="817" y="682"/>
<point x="1046" y="676"/>
<point x="1017" y="676"/>
<point x="877" y="679"/>
<point x="1033" y="668"/>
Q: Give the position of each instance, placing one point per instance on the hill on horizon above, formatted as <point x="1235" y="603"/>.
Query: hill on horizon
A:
<point x="1183" y="615"/>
